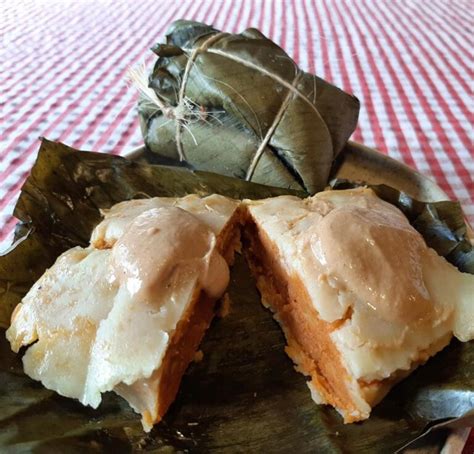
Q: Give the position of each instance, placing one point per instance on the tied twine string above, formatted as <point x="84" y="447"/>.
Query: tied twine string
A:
<point x="291" y="90"/>
<point x="179" y="112"/>
<point x="260" y="150"/>
<point x="179" y="122"/>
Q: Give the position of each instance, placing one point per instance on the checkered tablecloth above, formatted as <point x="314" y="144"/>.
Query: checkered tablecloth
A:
<point x="63" y="66"/>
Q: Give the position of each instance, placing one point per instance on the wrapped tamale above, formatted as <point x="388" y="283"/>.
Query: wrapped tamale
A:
<point x="238" y="105"/>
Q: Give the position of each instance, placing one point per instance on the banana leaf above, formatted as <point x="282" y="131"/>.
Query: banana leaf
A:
<point x="441" y="224"/>
<point x="244" y="396"/>
<point x="238" y="105"/>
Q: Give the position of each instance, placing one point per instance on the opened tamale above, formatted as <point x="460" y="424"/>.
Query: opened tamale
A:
<point x="243" y="394"/>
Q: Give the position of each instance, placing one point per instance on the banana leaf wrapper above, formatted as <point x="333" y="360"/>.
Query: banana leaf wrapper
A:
<point x="244" y="396"/>
<point x="238" y="105"/>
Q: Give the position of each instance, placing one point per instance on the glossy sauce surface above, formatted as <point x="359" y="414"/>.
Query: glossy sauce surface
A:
<point x="157" y="243"/>
<point x="376" y="254"/>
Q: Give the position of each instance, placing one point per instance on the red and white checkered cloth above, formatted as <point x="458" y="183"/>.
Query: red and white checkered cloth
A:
<point x="410" y="63"/>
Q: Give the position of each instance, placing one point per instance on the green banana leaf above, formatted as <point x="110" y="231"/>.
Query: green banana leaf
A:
<point x="442" y="224"/>
<point x="244" y="396"/>
<point x="238" y="105"/>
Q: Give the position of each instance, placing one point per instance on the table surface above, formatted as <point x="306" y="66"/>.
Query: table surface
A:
<point x="410" y="62"/>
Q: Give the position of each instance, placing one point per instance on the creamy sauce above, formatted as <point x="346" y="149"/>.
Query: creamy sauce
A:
<point x="377" y="255"/>
<point x="213" y="210"/>
<point x="159" y="242"/>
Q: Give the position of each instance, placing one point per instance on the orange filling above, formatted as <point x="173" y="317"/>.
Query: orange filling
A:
<point x="309" y="343"/>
